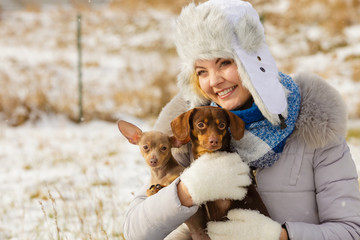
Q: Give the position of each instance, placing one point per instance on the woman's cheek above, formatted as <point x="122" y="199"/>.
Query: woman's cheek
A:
<point x="204" y="84"/>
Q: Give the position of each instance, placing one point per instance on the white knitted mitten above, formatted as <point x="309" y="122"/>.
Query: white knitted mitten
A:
<point x="244" y="224"/>
<point x="219" y="175"/>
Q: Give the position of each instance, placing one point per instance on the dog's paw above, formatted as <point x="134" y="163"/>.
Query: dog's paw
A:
<point x="153" y="189"/>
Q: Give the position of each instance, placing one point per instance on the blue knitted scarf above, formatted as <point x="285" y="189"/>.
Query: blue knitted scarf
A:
<point x="263" y="142"/>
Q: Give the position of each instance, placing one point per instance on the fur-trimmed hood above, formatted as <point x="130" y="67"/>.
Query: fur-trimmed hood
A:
<point x="322" y="118"/>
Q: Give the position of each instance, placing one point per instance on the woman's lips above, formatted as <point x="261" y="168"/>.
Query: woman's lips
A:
<point x="226" y="92"/>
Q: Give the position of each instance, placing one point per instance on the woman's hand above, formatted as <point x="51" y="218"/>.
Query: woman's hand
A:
<point x="284" y="235"/>
<point x="213" y="176"/>
<point x="184" y="195"/>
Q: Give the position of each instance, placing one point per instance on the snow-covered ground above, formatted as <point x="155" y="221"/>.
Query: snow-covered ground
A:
<point x="57" y="177"/>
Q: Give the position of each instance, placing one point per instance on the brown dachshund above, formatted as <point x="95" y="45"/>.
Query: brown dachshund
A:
<point x="208" y="130"/>
<point x="155" y="147"/>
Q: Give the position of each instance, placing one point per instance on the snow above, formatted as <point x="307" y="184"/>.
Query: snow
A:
<point x="353" y="33"/>
<point x="90" y="169"/>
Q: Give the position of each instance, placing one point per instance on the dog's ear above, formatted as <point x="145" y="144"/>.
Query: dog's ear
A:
<point x="176" y="143"/>
<point x="180" y="127"/>
<point x="130" y="131"/>
<point x="237" y="126"/>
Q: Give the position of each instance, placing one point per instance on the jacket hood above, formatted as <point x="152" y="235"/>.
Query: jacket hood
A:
<point x="229" y="29"/>
<point x="322" y="117"/>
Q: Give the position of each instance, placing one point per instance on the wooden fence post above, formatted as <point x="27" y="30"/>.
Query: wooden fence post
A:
<point x="81" y="118"/>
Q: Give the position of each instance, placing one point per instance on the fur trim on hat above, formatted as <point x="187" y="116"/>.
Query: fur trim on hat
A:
<point x="322" y="117"/>
<point x="252" y="37"/>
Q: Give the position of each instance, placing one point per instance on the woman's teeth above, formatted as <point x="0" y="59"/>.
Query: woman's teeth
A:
<point x="226" y="91"/>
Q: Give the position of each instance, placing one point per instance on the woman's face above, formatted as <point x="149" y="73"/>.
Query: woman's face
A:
<point x="220" y="80"/>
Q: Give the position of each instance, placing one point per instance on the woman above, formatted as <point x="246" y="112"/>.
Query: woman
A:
<point x="294" y="138"/>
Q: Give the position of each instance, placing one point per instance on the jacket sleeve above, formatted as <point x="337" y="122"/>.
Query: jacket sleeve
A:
<point x="337" y="197"/>
<point x="156" y="216"/>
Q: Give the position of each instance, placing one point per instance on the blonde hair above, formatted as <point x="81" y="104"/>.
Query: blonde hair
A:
<point x="194" y="80"/>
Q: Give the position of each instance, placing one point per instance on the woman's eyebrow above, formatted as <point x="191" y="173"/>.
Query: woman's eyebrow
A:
<point x="199" y="67"/>
<point x="217" y="60"/>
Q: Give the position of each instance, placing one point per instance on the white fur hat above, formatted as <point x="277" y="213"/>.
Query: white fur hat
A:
<point x="229" y="29"/>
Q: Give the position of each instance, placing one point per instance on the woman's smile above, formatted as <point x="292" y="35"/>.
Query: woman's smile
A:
<point x="227" y="92"/>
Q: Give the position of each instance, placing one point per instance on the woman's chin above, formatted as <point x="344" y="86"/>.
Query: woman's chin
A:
<point x="228" y="105"/>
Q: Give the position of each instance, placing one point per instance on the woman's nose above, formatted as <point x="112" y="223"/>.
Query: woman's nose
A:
<point x="215" y="79"/>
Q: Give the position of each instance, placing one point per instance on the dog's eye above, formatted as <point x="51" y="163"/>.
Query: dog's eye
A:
<point x="146" y="148"/>
<point x="222" y="126"/>
<point x="201" y="125"/>
<point x="163" y="148"/>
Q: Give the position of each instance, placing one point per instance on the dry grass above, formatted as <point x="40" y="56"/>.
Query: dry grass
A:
<point x="333" y="15"/>
<point x="357" y="112"/>
<point x="46" y="201"/>
<point x="353" y="133"/>
<point x="354" y="61"/>
<point x="50" y="85"/>
<point x="72" y="219"/>
<point x="356" y="72"/>
<point x="174" y="6"/>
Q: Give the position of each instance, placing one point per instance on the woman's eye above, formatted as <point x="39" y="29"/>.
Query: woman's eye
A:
<point x="201" y="72"/>
<point x="201" y="125"/>
<point x="225" y="63"/>
<point x="222" y="126"/>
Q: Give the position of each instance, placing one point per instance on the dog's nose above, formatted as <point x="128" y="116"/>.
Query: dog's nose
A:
<point x="153" y="161"/>
<point x="213" y="141"/>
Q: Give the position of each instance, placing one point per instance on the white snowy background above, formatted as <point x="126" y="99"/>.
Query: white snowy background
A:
<point x="63" y="180"/>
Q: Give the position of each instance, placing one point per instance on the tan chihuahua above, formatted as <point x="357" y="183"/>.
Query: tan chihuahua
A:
<point x="155" y="147"/>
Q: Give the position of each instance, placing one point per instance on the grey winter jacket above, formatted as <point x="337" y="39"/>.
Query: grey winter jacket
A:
<point x="313" y="188"/>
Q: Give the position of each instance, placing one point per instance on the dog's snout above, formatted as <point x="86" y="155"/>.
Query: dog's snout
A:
<point x="153" y="161"/>
<point x="213" y="141"/>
